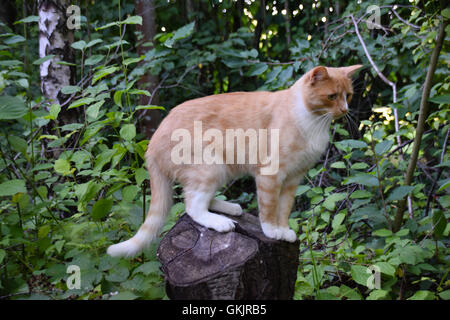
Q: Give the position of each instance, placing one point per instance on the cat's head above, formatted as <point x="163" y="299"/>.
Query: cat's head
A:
<point x="328" y="90"/>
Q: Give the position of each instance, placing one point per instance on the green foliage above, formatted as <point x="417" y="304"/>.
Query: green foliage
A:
<point x="70" y="189"/>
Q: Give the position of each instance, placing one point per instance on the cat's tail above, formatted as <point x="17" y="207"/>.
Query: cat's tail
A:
<point x="160" y="203"/>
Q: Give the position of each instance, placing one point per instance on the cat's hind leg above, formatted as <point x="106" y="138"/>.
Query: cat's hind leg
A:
<point x="197" y="202"/>
<point x="233" y="209"/>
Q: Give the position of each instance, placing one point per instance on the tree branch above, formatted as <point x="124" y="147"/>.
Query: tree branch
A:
<point x="423" y="113"/>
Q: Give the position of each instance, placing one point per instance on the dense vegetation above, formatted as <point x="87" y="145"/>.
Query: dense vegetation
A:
<point x="70" y="189"/>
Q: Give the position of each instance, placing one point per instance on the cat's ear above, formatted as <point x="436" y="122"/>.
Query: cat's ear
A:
<point x="318" y="74"/>
<point x="349" y="71"/>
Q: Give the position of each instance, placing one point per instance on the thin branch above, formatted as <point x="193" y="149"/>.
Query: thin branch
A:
<point x="403" y="20"/>
<point x="423" y="114"/>
<point x="382" y="76"/>
<point x="430" y="195"/>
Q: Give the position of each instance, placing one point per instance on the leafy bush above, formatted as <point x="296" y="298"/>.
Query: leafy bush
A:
<point x="68" y="190"/>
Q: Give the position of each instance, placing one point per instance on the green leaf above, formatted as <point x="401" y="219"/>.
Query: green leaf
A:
<point x="132" y="20"/>
<point x="101" y="208"/>
<point x="330" y="201"/>
<point x="257" y="69"/>
<point x="360" y="274"/>
<point x="441" y="99"/>
<point x="70" y="89"/>
<point x="445" y="295"/>
<point x="14" y="39"/>
<point x="79" y="45"/>
<point x="301" y="190"/>
<point x="352" y="144"/>
<point x="93" y="110"/>
<point x="118" y="97"/>
<point x="181" y="33"/>
<point x="399" y="193"/>
<point x="439" y="223"/>
<point x="446" y="13"/>
<point x="94" y="59"/>
<point x="383" y="147"/>
<point x="422" y="295"/>
<point x="18" y="144"/>
<point x="140" y="175"/>
<point x="55" y="109"/>
<point x="43" y="59"/>
<point x="338" y="165"/>
<point x="138" y="91"/>
<point x="364" y="179"/>
<point x="93" y="42"/>
<point x="386" y="268"/>
<point x="43" y="231"/>
<point x="273" y="74"/>
<point x="118" y="274"/>
<point x="361" y="194"/>
<point x="103" y="158"/>
<point x="130" y="192"/>
<point x="2" y="255"/>
<point x="382" y="233"/>
<point x="128" y="132"/>
<point x="81" y="102"/>
<point x="150" y="107"/>
<point x="443" y="185"/>
<point x="10" y="63"/>
<point x="28" y="19"/>
<point x="103" y="73"/>
<point x="360" y="166"/>
<point x="62" y="166"/>
<point x="285" y="75"/>
<point x="11" y="187"/>
<point x="378" y="295"/>
<point x="337" y="220"/>
<point x="12" y="108"/>
<point x="129" y="61"/>
<point x="147" y="268"/>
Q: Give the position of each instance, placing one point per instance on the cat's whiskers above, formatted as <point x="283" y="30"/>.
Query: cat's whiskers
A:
<point x="351" y="123"/>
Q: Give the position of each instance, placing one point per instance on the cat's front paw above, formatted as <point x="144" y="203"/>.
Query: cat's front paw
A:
<point x="278" y="233"/>
<point x="214" y="221"/>
<point x="289" y="235"/>
<point x="271" y="231"/>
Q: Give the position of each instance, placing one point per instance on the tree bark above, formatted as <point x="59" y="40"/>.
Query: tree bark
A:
<point x="200" y="263"/>
<point x="55" y="38"/>
<point x="149" y="119"/>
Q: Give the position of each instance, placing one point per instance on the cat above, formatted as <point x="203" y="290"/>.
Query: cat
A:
<point x="300" y="116"/>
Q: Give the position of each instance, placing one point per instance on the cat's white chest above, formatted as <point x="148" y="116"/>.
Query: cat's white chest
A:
<point x="314" y="136"/>
<point x="315" y="146"/>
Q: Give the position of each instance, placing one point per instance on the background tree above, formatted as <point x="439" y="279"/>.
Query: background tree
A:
<point x="55" y="46"/>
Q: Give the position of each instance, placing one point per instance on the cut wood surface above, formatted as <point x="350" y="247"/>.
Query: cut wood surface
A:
<point x="200" y="263"/>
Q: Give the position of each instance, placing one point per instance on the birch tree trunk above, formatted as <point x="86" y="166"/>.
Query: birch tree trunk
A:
<point x="149" y="119"/>
<point x="55" y="38"/>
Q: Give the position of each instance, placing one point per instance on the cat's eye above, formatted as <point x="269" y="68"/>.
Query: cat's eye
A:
<point x="332" y="96"/>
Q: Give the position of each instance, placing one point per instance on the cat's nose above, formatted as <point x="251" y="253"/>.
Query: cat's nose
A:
<point x="343" y="109"/>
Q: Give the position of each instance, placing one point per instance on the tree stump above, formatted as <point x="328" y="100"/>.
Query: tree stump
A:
<point x="200" y="263"/>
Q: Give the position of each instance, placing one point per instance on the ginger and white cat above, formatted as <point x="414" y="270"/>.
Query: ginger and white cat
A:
<point x="300" y="115"/>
